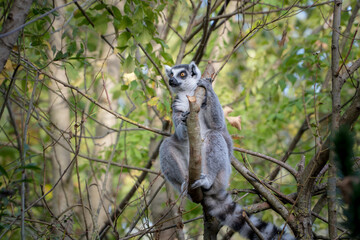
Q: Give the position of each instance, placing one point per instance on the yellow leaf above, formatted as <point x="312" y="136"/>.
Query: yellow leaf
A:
<point x="47" y="188"/>
<point x="153" y="101"/>
<point x="48" y="44"/>
<point x="8" y="65"/>
<point x="2" y="78"/>
<point x="78" y="82"/>
<point x="41" y="76"/>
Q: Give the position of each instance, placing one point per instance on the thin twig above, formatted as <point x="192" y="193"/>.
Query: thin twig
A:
<point x="23" y="157"/>
<point x="132" y="191"/>
<point x="282" y="164"/>
<point x="252" y="226"/>
<point x="12" y="81"/>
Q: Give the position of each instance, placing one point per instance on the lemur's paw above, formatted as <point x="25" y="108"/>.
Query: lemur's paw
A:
<point x="203" y="182"/>
<point x="184" y="116"/>
<point x="204" y="82"/>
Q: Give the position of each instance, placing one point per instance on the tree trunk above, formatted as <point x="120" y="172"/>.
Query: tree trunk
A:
<point x="60" y="116"/>
<point x="335" y="118"/>
<point x="16" y="18"/>
<point x="100" y="186"/>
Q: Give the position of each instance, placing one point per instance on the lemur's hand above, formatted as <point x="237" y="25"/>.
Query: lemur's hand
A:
<point x="184" y="117"/>
<point x="204" y="82"/>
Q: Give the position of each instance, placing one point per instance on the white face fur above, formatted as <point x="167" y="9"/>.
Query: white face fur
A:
<point x="183" y="78"/>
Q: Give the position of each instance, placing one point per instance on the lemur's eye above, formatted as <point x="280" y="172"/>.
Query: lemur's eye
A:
<point x="182" y="74"/>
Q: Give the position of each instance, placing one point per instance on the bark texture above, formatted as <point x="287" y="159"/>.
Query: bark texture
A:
<point x="16" y="18"/>
<point x="335" y="119"/>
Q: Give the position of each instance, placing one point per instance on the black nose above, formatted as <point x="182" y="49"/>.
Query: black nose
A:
<point x="173" y="82"/>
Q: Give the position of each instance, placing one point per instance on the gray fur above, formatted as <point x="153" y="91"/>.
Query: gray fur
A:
<point x="216" y="152"/>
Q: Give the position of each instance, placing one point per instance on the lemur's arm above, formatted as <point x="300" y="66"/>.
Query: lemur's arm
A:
<point x="212" y="110"/>
<point x="179" y="119"/>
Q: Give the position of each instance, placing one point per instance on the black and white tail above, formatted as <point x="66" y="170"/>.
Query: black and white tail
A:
<point x="222" y="207"/>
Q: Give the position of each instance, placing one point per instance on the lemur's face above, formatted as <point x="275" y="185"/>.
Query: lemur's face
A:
<point x="183" y="77"/>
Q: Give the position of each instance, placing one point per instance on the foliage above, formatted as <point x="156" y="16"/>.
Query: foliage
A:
<point x="273" y="57"/>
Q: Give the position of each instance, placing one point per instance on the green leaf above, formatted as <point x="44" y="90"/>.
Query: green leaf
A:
<point x="161" y="42"/>
<point x="151" y="91"/>
<point x="117" y="13"/>
<point x="101" y="22"/>
<point x="116" y="94"/>
<point x="125" y="22"/>
<point x="282" y="84"/>
<point x="144" y="37"/>
<point x="160" y="7"/>
<point x="99" y="6"/>
<point x="30" y="166"/>
<point x="3" y="172"/>
<point x="133" y="85"/>
<point x="123" y="39"/>
<point x="71" y="48"/>
<point x="59" y="56"/>
<point x="124" y="87"/>
<point x="168" y="58"/>
<point x="153" y="101"/>
<point x="291" y="78"/>
<point x="129" y="65"/>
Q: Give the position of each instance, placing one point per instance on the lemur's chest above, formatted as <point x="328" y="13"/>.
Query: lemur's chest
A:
<point x="181" y="103"/>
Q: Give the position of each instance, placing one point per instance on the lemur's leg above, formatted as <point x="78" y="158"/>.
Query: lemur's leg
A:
<point x="215" y="161"/>
<point x="174" y="162"/>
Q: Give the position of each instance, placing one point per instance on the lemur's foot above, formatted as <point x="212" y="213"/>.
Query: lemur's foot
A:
<point x="203" y="182"/>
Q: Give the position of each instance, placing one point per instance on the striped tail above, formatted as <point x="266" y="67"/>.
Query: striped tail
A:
<point x="222" y="207"/>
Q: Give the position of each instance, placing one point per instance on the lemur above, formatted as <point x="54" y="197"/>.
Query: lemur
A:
<point x="216" y="153"/>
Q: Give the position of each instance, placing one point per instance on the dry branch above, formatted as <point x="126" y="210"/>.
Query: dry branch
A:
<point x="125" y="201"/>
<point x="195" y="147"/>
<point x="280" y="163"/>
<point x="275" y="203"/>
<point x="252" y="226"/>
<point x="211" y="226"/>
<point x="194" y="136"/>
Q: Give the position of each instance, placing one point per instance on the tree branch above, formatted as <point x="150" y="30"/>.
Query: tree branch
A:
<point x="280" y="163"/>
<point x="193" y="127"/>
<point x="275" y="203"/>
<point x="335" y="119"/>
<point x="132" y="191"/>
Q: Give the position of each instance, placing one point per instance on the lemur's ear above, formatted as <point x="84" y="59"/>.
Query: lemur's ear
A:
<point x="167" y="70"/>
<point x="194" y="70"/>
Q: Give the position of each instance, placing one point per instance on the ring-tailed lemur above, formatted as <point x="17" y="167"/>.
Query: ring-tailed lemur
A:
<point x="216" y="153"/>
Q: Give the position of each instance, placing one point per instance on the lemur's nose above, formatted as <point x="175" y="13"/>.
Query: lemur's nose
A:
<point x="173" y="82"/>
